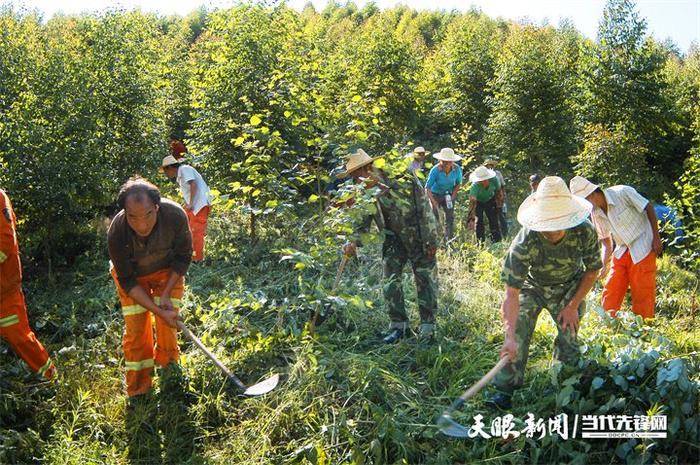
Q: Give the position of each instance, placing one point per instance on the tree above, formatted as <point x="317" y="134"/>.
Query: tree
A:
<point x="453" y="91"/>
<point x="532" y="125"/>
<point x="88" y="114"/>
<point x="622" y="81"/>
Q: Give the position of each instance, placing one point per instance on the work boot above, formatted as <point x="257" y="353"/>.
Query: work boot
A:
<point x="397" y="330"/>
<point x="426" y="332"/>
<point x="499" y="401"/>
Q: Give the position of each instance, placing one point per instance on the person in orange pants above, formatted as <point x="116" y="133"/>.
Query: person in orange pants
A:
<point x="150" y="247"/>
<point x="197" y="200"/>
<point x="14" y="324"/>
<point x="138" y="344"/>
<point x="620" y="212"/>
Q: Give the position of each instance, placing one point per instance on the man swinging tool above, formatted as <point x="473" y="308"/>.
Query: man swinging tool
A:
<point x="404" y="214"/>
<point x="150" y="247"/>
<point x="552" y="263"/>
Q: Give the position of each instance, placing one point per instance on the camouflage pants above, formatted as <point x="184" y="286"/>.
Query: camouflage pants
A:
<point x="532" y="301"/>
<point x="394" y="257"/>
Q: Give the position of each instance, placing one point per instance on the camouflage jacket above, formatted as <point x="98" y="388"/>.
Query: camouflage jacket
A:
<point x="534" y="261"/>
<point x="404" y="212"/>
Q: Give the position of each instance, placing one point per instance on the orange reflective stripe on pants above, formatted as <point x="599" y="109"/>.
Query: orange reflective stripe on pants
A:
<point x="640" y="278"/>
<point x="139" y="352"/>
<point x="198" y="228"/>
<point x="14" y="328"/>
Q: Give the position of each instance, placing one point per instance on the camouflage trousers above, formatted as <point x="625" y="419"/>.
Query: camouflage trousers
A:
<point x="394" y="257"/>
<point x="532" y="301"/>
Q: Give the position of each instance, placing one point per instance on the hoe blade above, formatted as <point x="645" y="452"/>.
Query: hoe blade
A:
<point x="263" y="387"/>
<point x="449" y="427"/>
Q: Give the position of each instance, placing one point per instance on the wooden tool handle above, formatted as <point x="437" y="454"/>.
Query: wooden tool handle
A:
<point x="479" y="385"/>
<point x="190" y="335"/>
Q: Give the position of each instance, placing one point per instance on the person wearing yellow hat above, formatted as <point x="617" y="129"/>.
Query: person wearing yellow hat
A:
<point x="621" y="213"/>
<point x="404" y="214"/>
<point x="552" y="263"/>
<point x="483" y="193"/>
<point x="197" y="200"/>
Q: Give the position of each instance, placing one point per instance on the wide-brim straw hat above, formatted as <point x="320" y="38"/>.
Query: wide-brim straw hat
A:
<point x="481" y="174"/>
<point x="490" y="161"/>
<point x="581" y="186"/>
<point x="421" y="152"/>
<point x="356" y="161"/>
<point x="447" y="154"/>
<point x="167" y="161"/>
<point x="552" y="207"/>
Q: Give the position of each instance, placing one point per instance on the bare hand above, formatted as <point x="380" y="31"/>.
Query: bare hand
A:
<point x="603" y="272"/>
<point x="166" y="303"/>
<point x="657" y="246"/>
<point x="430" y="251"/>
<point x="433" y="204"/>
<point x="509" y="349"/>
<point x="568" y="318"/>
<point x="171" y="317"/>
<point x="350" y="249"/>
<point x="471" y="224"/>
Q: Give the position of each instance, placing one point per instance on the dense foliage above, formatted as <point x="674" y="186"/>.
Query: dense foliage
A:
<point x="270" y="99"/>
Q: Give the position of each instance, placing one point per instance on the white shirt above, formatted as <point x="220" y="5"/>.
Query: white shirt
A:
<point x="627" y="221"/>
<point x="185" y="174"/>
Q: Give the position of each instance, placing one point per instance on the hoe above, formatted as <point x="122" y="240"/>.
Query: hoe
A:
<point x="259" y="389"/>
<point x="449" y="426"/>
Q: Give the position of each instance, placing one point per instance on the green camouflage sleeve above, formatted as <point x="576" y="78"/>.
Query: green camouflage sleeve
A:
<point x="590" y="247"/>
<point x="517" y="263"/>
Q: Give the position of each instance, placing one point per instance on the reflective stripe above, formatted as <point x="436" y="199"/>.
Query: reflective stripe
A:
<point x="9" y="321"/>
<point x="46" y="366"/>
<point x="133" y="310"/>
<point x="140" y="365"/>
<point x="176" y="302"/>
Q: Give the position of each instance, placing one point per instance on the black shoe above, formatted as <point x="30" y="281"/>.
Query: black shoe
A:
<point x="394" y="335"/>
<point x="499" y="401"/>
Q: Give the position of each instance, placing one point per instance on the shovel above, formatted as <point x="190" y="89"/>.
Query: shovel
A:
<point x="259" y="389"/>
<point x="341" y="267"/>
<point x="450" y="427"/>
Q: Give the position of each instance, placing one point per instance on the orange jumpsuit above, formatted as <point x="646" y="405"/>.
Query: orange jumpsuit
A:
<point x="139" y="352"/>
<point x="14" y="325"/>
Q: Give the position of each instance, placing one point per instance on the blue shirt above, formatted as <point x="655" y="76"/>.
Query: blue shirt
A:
<point x="440" y="183"/>
<point x="667" y="215"/>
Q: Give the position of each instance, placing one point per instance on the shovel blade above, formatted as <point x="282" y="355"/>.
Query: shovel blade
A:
<point x="263" y="387"/>
<point x="451" y="428"/>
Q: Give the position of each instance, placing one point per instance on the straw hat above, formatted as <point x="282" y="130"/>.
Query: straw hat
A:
<point x="481" y="174"/>
<point x="447" y="154"/>
<point x="490" y="161"/>
<point x="420" y="152"/>
<point x="581" y="186"/>
<point x="167" y="161"/>
<point x="552" y="207"/>
<point x="356" y="161"/>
